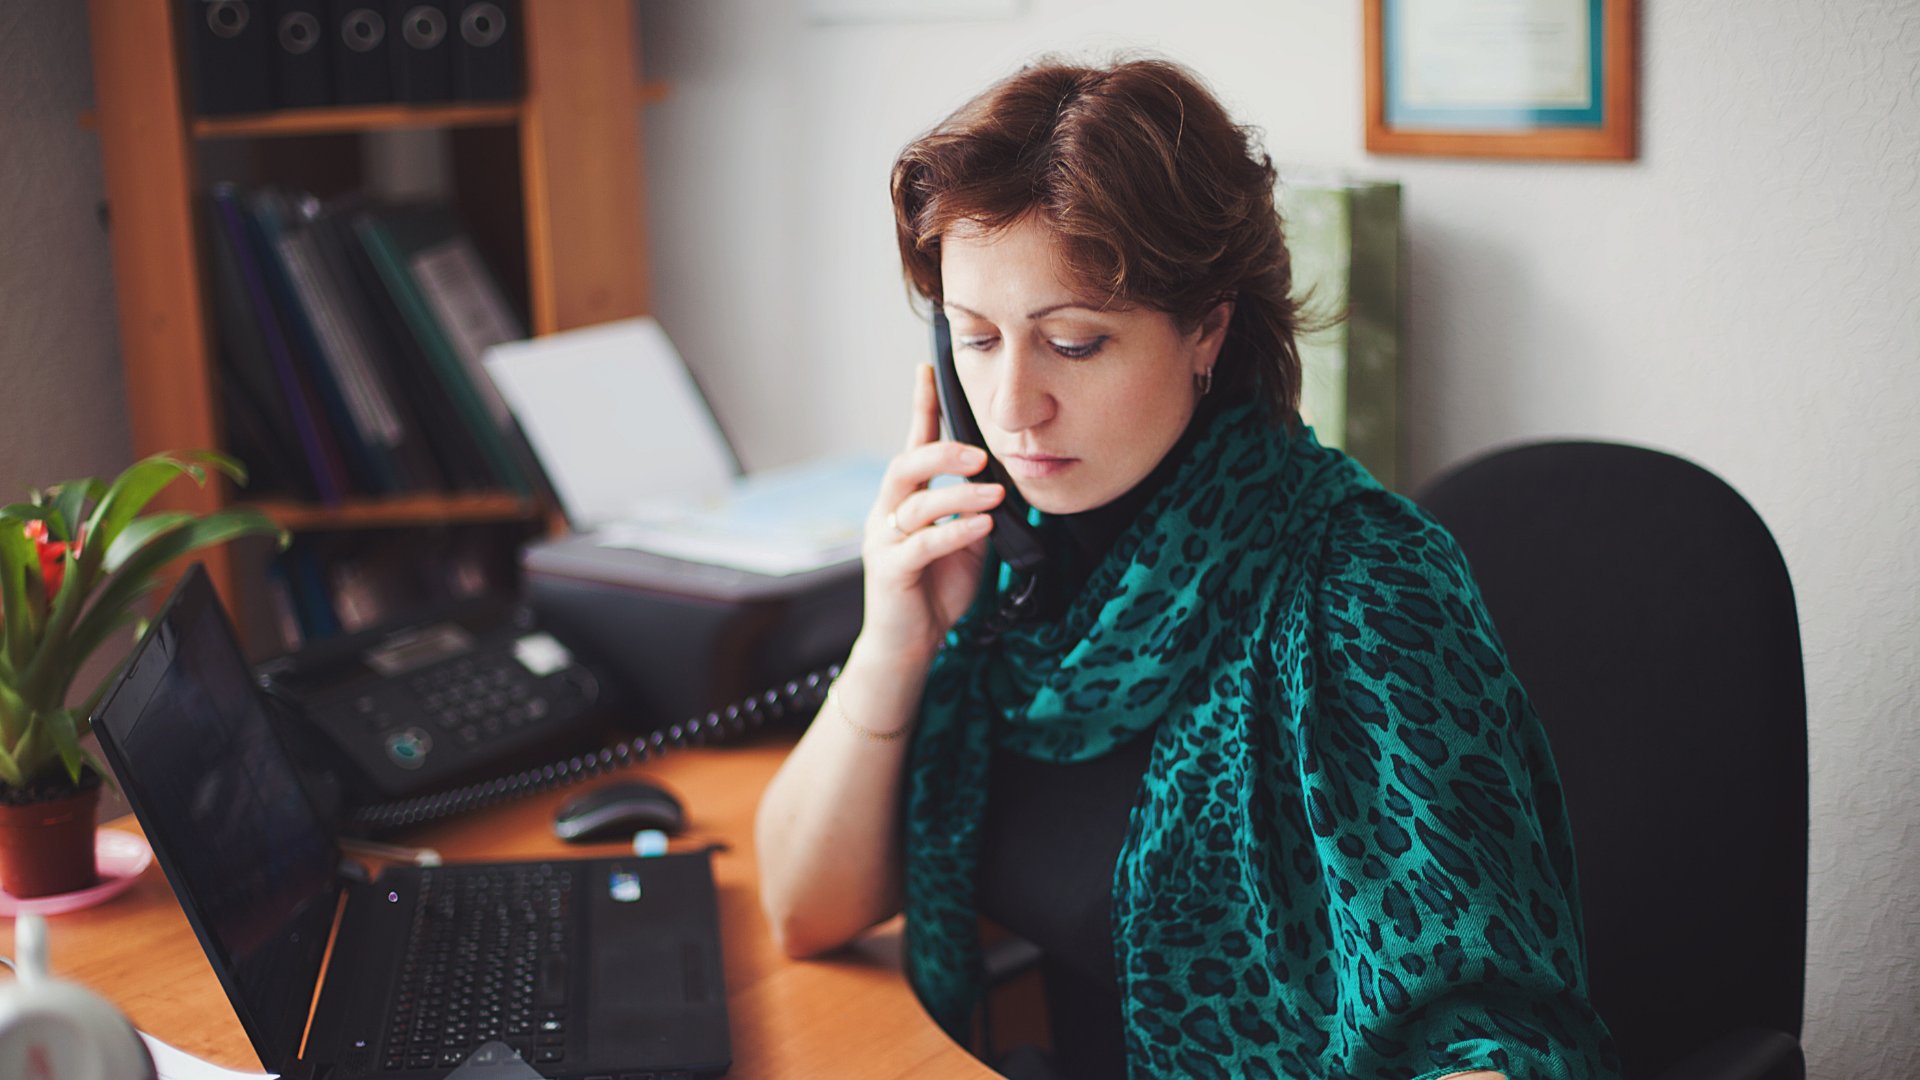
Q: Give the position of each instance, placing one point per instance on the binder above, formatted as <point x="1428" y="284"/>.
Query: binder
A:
<point x="422" y="57"/>
<point x="333" y="388"/>
<point x="454" y="450"/>
<point x="232" y="67"/>
<point x="257" y="418"/>
<point x="322" y="457"/>
<point x="381" y="417"/>
<point x="1346" y="239"/>
<point x="390" y="238"/>
<point x="486" y="49"/>
<point x="359" y="44"/>
<point x="326" y="238"/>
<point x="299" y="48"/>
<point x="273" y="460"/>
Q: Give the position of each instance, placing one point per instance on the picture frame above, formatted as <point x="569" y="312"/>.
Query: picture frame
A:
<point x="1543" y="79"/>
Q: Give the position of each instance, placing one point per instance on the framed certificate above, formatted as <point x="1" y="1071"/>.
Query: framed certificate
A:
<point x="1501" y="78"/>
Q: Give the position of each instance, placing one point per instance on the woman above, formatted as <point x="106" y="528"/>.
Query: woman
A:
<point x="1252" y="771"/>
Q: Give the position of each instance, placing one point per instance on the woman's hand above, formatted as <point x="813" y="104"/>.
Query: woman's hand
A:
<point x="828" y="829"/>
<point x="922" y="572"/>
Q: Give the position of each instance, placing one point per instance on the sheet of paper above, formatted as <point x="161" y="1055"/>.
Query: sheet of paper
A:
<point x="775" y="522"/>
<point x="614" y="417"/>
<point x="175" y="1064"/>
<point x="1496" y="54"/>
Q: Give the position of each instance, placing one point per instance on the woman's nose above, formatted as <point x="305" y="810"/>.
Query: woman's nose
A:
<point x="1021" y="397"/>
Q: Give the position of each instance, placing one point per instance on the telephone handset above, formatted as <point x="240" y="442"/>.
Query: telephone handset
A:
<point x="1014" y="538"/>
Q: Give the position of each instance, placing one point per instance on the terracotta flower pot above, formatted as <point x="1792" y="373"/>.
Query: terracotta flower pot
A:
<point x="46" y="847"/>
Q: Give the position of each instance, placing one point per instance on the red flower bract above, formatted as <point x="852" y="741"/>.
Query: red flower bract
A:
<point x="53" y="556"/>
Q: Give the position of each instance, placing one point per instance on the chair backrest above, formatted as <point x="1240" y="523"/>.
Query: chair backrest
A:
<point x="1647" y="610"/>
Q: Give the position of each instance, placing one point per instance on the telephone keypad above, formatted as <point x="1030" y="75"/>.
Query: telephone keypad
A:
<point x="470" y="690"/>
<point x="446" y="718"/>
<point x="474" y="705"/>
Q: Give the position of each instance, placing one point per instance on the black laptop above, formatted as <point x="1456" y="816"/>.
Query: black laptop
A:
<point x="581" y="968"/>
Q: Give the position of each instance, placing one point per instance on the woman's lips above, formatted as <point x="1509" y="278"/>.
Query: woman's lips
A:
<point x="1037" y="466"/>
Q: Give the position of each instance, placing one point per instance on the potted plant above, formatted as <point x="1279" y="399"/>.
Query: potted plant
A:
<point x="75" y="560"/>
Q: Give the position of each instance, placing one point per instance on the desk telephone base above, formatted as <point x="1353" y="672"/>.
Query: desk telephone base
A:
<point x="438" y="714"/>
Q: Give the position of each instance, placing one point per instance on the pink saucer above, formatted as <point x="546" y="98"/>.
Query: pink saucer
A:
<point x="118" y="856"/>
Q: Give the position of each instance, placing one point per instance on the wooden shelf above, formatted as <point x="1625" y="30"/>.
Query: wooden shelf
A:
<point x="349" y="119"/>
<point x="559" y="174"/>
<point x="400" y="512"/>
<point x="340" y="119"/>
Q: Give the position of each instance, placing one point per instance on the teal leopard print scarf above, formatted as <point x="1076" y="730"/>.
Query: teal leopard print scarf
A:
<point x="1349" y="856"/>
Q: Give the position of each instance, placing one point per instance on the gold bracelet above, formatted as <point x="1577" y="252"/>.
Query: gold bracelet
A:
<point x="864" y="732"/>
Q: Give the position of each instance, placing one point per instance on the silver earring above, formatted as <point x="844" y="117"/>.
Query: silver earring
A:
<point x="1203" y="382"/>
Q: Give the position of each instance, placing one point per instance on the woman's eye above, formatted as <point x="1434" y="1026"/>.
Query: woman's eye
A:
<point x="1078" y="350"/>
<point x="977" y="344"/>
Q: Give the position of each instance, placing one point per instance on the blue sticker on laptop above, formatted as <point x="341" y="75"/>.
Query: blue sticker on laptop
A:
<point x="624" y="886"/>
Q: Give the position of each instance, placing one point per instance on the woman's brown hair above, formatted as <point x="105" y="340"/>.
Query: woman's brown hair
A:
<point x="1157" y="197"/>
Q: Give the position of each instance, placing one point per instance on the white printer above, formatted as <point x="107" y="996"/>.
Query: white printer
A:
<point x="695" y="585"/>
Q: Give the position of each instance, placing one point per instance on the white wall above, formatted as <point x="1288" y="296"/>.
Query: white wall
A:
<point x="63" y="411"/>
<point x="1745" y="294"/>
<point x="62" y="407"/>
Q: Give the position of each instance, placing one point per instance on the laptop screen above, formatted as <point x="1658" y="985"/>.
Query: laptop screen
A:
<point x="253" y="864"/>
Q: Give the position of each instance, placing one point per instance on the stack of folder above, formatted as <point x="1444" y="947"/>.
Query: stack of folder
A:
<point x="351" y="337"/>
<point x="257" y="55"/>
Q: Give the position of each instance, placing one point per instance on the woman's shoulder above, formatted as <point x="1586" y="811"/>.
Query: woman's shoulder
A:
<point x="1385" y="560"/>
<point x="1394" y="583"/>
<point x="1374" y="533"/>
<point x="1342" y="516"/>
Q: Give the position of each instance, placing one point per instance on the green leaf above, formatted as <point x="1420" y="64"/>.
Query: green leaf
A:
<point x="98" y="633"/>
<point x="100" y="767"/>
<point x="10" y="770"/>
<point x="132" y="490"/>
<point x="134" y="577"/>
<point x="53" y="660"/>
<point x="25" y="512"/>
<point x="91" y="634"/>
<point x="138" y="532"/>
<point x="71" y="504"/>
<point x="19" y="567"/>
<point x="107" y="682"/>
<point x="226" y="464"/>
<point x="59" y="726"/>
<point x="13" y="714"/>
<point x="29" y="757"/>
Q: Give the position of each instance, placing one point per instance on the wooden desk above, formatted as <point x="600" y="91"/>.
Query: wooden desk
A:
<point x="851" y="1016"/>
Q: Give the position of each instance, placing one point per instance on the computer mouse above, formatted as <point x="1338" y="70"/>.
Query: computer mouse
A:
<point x="618" y="810"/>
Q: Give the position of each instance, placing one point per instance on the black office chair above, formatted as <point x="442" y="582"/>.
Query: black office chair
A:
<point x="1647" y="611"/>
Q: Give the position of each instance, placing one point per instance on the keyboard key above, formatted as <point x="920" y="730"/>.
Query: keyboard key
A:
<point x="486" y="959"/>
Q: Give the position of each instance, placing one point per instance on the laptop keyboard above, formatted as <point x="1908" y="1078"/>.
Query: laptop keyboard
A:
<point x="486" y="960"/>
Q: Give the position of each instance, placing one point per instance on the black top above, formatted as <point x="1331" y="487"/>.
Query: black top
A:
<point x="1053" y="831"/>
<point x="1048" y="849"/>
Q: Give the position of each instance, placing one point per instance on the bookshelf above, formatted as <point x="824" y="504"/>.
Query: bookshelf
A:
<point x="552" y="187"/>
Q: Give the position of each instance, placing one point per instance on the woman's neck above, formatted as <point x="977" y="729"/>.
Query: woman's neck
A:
<point x="1077" y="542"/>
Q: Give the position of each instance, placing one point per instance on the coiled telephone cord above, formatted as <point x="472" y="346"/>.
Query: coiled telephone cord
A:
<point x="722" y="725"/>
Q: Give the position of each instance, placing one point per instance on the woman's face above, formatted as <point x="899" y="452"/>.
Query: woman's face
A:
<point x="1079" y="401"/>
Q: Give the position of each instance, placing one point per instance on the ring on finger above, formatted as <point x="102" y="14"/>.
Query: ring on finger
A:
<point x="893" y="521"/>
